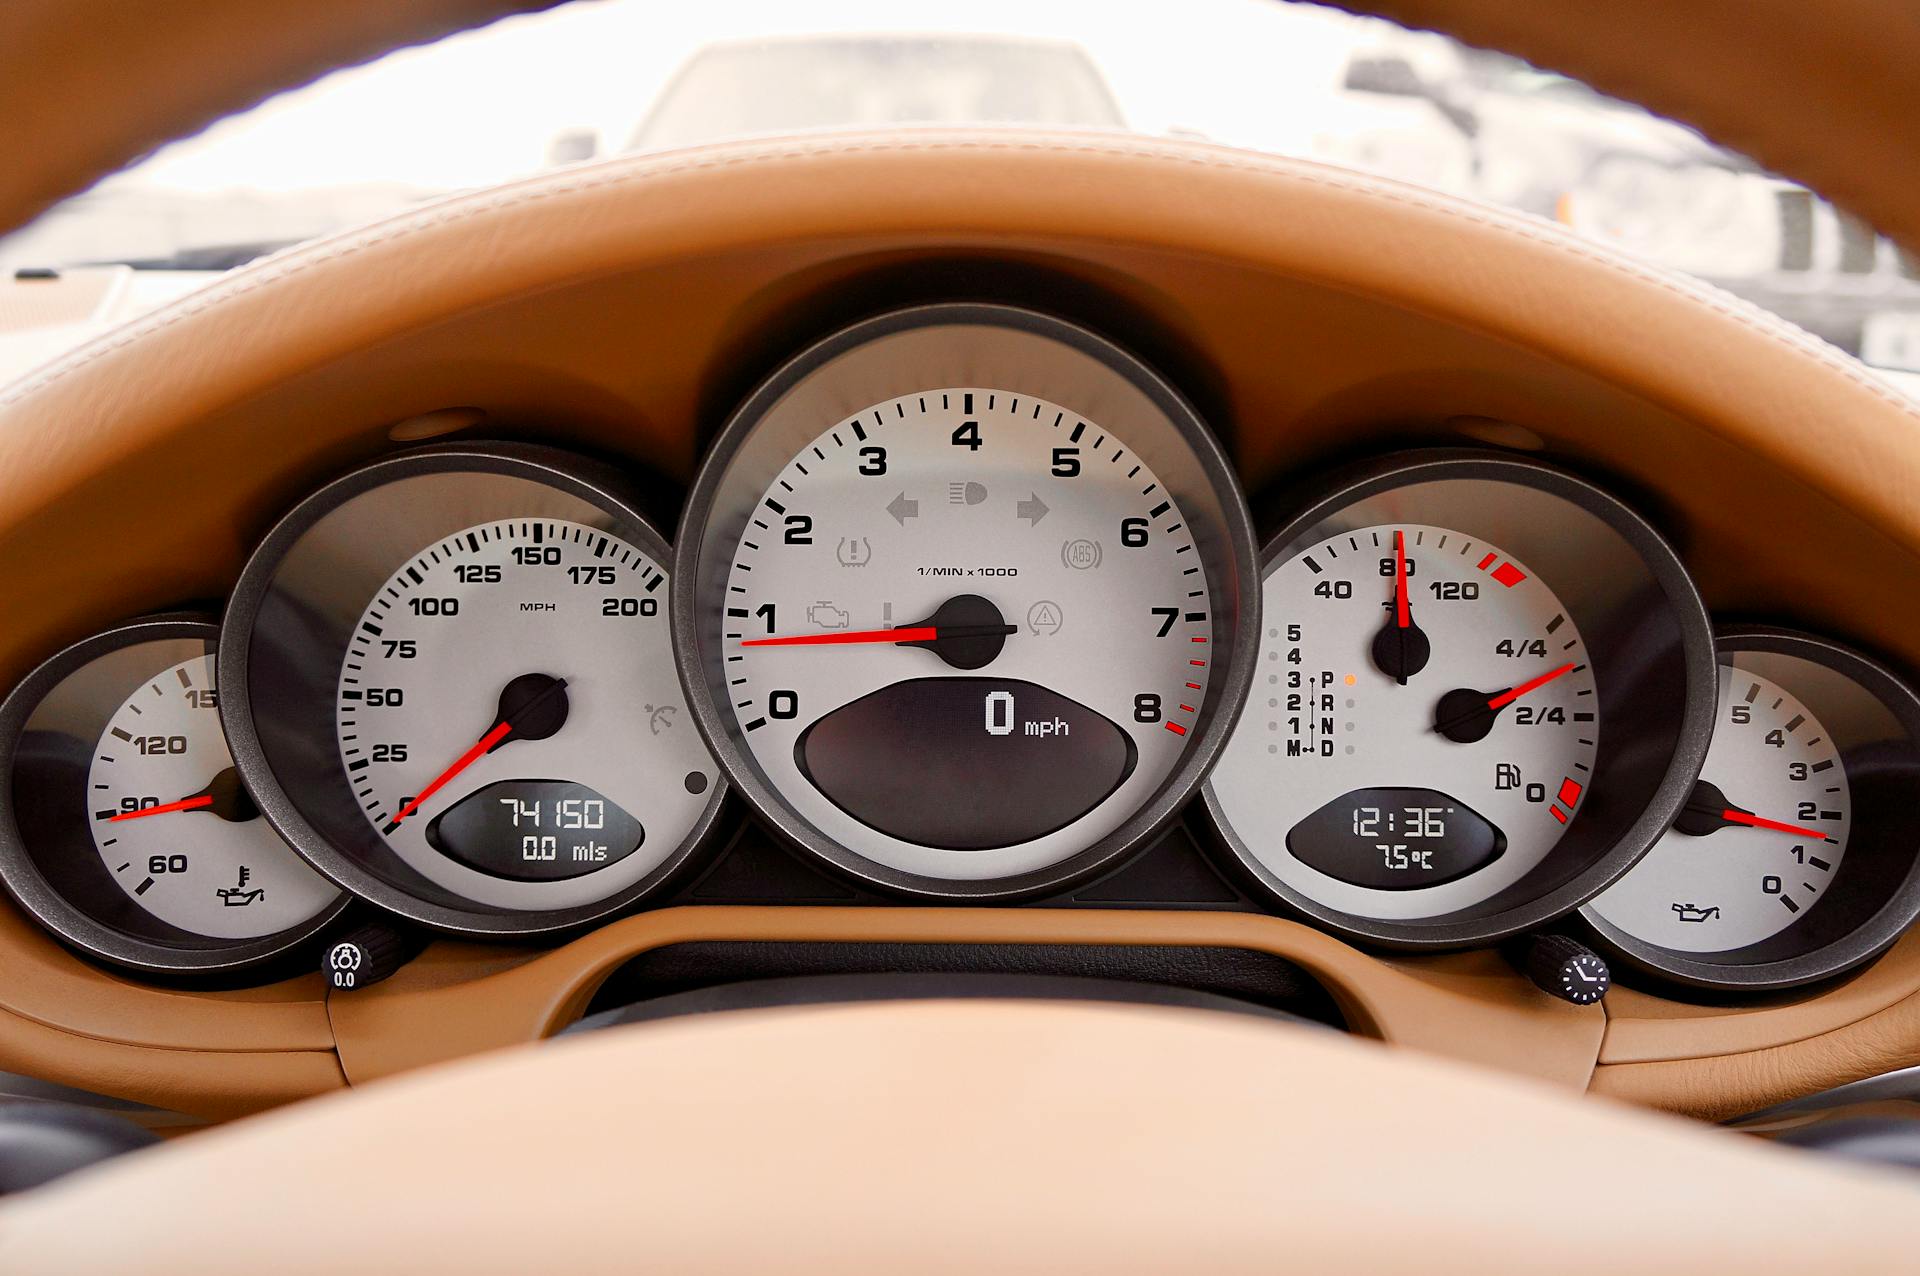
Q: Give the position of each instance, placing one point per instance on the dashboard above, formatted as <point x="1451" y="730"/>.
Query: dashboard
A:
<point x="966" y="605"/>
<point x="1113" y="594"/>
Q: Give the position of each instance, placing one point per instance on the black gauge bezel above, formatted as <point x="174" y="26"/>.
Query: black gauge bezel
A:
<point x="1227" y="549"/>
<point x="327" y="827"/>
<point x="1634" y="793"/>
<point x="1875" y="894"/>
<point x="93" y="915"/>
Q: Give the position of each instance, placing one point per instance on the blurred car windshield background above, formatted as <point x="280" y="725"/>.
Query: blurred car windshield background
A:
<point x="598" y="77"/>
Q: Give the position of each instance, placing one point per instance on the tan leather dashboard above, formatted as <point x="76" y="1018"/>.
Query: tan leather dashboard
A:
<point x="624" y="307"/>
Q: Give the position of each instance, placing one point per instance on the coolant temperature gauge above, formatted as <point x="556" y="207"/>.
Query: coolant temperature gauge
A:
<point x="1448" y="649"/>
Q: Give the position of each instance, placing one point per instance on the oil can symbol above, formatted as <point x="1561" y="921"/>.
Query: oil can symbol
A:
<point x="854" y="551"/>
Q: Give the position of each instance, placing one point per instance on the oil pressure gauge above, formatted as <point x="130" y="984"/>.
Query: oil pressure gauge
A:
<point x="1791" y="860"/>
<point x="126" y="827"/>
<point x="1483" y="688"/>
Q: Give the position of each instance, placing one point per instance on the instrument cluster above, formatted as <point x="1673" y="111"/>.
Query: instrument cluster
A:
<point x="966" y="604"/>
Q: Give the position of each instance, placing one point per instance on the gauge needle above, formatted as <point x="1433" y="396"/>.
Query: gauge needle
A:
<point x="1401" y="648"/>
<point x="1511" y="694"/>
<point x="1733" y="815"/>
<point x="1708" y="810"/>
<point x="165" y="808"/>
<point x="533" y="704"/>
<point x="1465" y="715"/>
<point x="223" y="797"/>
<point x="967" y="631"/>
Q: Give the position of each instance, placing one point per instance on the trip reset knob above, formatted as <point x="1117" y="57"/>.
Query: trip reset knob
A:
<point x="365" y="955"/>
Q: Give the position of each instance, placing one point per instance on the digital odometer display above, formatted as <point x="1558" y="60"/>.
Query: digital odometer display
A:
<point x="536" y="830"/>
<point x="961" y="587"/>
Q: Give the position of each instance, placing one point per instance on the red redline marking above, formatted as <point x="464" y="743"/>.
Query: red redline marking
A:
<point x="1187" y="707"/>
<point x="1569" y="792"/>
<point x="1198" y="664"/>
<point x="1509" y="575"/>
<point x="1176" y="728"/>
<point x="1558" y="814"/>
<point x="1197" y="640"/>
<point x="1488" y="559"/>
<point x="1193" y="686"/>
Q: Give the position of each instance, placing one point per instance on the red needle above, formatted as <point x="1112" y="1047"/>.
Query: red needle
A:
<point x="1732" y="816"/>
<point x="1401" y="611"/>
<point x="466" y="760"/>
<point x="918" y="633"/>
<point x="184" y="804"/>
<point x="1506" y="698"/>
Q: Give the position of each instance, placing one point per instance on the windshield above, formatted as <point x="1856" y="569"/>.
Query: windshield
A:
<point x="602" y="76"/>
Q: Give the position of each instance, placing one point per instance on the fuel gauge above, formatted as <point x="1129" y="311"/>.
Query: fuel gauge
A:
<point x="1483" y="688"/>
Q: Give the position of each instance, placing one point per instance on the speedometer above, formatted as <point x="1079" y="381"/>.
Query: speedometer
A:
<point x="450" y="685"/>
<point x="963" y="600"/>
<point x="1484" y="688"/>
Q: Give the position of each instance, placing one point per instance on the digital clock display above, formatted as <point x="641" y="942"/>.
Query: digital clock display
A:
<point x="1395" y="839"/>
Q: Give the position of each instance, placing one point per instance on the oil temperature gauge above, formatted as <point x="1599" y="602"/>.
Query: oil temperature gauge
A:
<point x="126" y="829"/>
<point x="1788" y="862"/>
<point x="1482" y="690"/>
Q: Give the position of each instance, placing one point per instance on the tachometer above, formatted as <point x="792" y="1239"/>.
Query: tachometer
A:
<point x="962" y="600"/>
<point x="1482" y="689"/>
<point x="1791" y="860"/>
<point x="454" y="690"/>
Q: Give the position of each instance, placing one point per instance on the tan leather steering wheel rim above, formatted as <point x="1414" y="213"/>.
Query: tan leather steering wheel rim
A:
<point x="964" y="1136"/>
<point x="1824" y="93"/>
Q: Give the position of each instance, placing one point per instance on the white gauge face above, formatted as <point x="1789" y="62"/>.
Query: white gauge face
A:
<point x="510" y="721"/>
<point x="991" y="632"/>
<point x="1761" y="838"/>
<point x="1422" y="728"/>
<point x="174" y="827"/>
